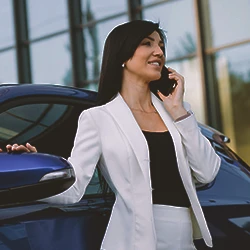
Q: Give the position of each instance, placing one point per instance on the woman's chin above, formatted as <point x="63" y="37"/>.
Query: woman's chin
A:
<point x="155" y="77"/>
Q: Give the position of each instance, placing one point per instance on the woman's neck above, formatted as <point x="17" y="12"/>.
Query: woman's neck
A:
<point x="137" y="95"/>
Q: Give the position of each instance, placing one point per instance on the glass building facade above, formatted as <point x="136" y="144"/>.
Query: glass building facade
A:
<point x="61" y="42"/>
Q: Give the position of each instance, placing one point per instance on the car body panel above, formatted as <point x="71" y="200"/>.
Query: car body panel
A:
<point x="10" y="92"/>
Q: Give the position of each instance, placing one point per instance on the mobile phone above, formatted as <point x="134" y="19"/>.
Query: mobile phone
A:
<point x="165" y="85"/>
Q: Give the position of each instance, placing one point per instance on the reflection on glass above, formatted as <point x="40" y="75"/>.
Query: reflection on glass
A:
<point x="92" y="46"/>
<point x="51" y="62"/>
<point x="177" y="18"/>
<point x="144" y="2"/>
<point x="230" y="21"/>
<point x="32" y="132"/>
<point x="46" y="17"/>
<point x="9" y="124"/>
<point x="94" y="185"/>
<point x="29" y="114"/>
<point x="193" y="86"/>
<point x="8" y="67"/>
<point x="22" y="123"/>
<point x="233" y="74"/>
<point x="6" y="24"/>
<point x="96" y="9"/>
<point x="56" y="111"/>
<point x="242" y="223"/>
<point x="94" y="38"/>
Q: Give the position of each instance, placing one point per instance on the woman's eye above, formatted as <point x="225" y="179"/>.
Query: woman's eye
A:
<point x="147" y="43"/>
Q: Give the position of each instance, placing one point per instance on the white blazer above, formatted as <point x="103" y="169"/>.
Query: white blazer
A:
<point x="109" y="136"/>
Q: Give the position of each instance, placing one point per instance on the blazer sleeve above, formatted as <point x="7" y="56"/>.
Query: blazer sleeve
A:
<point x="202" y="158"/>
<point x="84" y="157"/>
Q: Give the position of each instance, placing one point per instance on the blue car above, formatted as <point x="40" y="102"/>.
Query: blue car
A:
<point x="46" y="116"/>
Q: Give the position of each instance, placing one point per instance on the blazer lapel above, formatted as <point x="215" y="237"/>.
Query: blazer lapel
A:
<point x="126" y="121"/>
<point x="169" y="123"/>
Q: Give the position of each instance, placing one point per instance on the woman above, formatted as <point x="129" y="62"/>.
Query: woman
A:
<point x="150" y="152"/>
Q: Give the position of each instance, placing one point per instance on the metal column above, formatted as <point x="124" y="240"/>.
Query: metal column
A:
<point x="207" y="64"/>
<point x="134" y="12"/>
<point x="78" y="54"/>
<point x="22" y="41"/>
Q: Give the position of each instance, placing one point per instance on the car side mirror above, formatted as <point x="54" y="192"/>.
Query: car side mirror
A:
<point x="26" y="177"/>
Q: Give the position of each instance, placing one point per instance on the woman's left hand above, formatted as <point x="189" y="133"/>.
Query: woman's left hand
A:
<point x="174" y="101"/>
<point x="21" y="148"/>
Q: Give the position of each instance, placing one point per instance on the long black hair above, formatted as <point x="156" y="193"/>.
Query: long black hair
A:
<point x="119" y="47"/>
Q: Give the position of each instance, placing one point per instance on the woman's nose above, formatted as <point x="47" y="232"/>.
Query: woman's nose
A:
<point x="158" y="51"/>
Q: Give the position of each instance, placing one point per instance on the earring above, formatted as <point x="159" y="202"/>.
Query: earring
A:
<point x="123" y="65"/>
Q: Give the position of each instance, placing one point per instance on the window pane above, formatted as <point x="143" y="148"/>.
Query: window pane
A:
<point x="30" y="113"/>
<point x="32" y="132"/>
<point x="11" y="125"/>
<point x="94" y="38"/>
<point x="6" y="24"/>
<point x="233" y="74"/>
<point x="94" y="185"/>
<point x="51" y="61"/>
<point x="96" y="9"/>
<point x="193" y="88"/>
<point x="233" y="24"/>
<point x="22" y="123"/>
<point x="177" y="18"/>
<point x="46" y="17"/>
<point x="54" y="113"/>
<point x="144" y="2"/>
<point x="8" y="73"/>
<point x="16" y="120"/>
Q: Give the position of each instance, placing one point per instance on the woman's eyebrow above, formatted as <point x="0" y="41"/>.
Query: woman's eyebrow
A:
<point x="152" y="39"/>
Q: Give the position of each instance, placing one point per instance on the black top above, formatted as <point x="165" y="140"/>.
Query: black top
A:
<point x="166" y="181"/>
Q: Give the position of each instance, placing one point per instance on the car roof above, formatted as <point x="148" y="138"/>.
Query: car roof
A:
<point x="12" y="91"/>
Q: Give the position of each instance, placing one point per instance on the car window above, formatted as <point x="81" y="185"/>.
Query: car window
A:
<point x="51" y="127"/>
<point x="20" y="124"/>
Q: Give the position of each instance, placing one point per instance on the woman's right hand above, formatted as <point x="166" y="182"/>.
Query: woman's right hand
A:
<point x="21" y="148"/>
